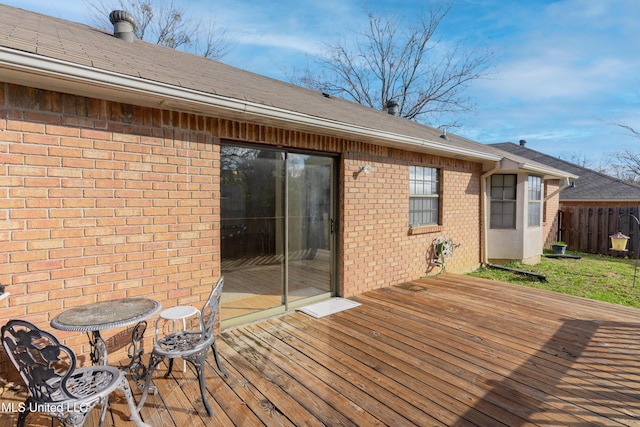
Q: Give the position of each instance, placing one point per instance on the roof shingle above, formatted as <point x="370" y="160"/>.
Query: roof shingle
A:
<point x="87" y="46"/>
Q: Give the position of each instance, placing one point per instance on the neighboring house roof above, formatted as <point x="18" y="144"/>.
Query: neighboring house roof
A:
<point x="54" y="54"/>
<point x="513" y="162"/>
<point x="590" y="185"/>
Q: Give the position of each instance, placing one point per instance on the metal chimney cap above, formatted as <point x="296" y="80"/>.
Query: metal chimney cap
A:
<point x="121" y="15"/>
<point x="392" y="107"/>
<point x="123" y="24"/>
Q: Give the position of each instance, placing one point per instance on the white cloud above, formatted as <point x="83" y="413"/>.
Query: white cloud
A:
<point x="564" y="72"/>
<point x="290" y="25"/>
<point x="278" y="41"/>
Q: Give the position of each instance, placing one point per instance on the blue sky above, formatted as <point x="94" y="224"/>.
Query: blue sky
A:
<point x="565" y="72"/>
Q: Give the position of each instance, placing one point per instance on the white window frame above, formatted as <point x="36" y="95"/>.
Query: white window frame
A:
<point x="424" y="196"/>
<point x="504" y="198"/>
<point x="534" y="191"/>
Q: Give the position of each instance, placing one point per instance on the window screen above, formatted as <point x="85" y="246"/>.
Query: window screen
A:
<point x="424" y="196"/>
<point x="503" y="201"/>
<point x="535" y="199"/>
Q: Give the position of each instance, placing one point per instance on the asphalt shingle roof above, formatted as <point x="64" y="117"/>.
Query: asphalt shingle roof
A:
<point x="590" y="185"/>
<point x="92" y="47"/>
<point x="96" y="49"/>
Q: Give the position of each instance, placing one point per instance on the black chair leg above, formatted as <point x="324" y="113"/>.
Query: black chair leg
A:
<point x="200" y="365"/>
<point x="22" y="416"/>
<point x="215" y="354"/>
<point x="169" y="369"/>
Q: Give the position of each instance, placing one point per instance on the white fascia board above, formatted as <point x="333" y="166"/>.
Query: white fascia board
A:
<point x="547" y="172"/>
<point x="20" y="67"/>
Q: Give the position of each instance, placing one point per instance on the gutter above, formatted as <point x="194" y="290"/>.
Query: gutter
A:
<point x="566" y="184"/>
<point x="20" y="67"/>
<point x="546" y="171"/>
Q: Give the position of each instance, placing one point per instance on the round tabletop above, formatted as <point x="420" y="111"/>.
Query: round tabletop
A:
<point x="106" y="314"/>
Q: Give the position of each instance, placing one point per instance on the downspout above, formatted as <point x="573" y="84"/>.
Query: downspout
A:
<point x="567" y="183"/>
<point x="485" y="218"/>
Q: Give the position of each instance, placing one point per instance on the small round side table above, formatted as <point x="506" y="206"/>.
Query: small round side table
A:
<point x="179" y="312"/>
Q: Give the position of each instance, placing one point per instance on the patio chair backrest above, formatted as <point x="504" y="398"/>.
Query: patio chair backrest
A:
<point x="209" y="311"/>
<point x="43" y="363"/>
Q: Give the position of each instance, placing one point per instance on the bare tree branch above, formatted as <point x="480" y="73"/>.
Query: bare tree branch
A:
<point x="625" y="164"/>
<point x="635" y="133"/>
<point x="391" y="61"/>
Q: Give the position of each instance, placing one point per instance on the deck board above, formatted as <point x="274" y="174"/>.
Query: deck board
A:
<point x="447" y="351"/>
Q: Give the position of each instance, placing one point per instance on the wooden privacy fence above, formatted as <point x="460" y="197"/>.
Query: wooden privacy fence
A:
<point x="588" y="229"/>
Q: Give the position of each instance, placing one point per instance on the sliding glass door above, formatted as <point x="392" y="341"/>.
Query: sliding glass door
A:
<point x="276" y="230"/>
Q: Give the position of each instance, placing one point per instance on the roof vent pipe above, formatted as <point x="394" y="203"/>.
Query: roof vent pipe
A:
<point x="123" y="24"/>
<point x="523" y="142"/>
<point x="392" y="107"/>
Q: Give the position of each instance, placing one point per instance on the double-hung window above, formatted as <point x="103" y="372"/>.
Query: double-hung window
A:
<point x="535" y="200"/>
<point x="424" y="196"/>
<point x="503" y="201"/>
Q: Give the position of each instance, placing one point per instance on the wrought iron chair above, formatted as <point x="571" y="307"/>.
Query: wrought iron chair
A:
<point x="191" y="346"/>
<point x="55" y="385"/>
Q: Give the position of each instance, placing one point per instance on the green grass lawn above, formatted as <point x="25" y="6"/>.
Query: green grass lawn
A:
<point x="596" y="277"/>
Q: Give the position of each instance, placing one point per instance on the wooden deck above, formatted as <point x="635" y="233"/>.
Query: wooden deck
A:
<point x="451" y="351"/>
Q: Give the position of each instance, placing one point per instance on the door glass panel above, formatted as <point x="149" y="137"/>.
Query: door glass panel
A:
<point x="275" y="234"/>
<point x="309" y="233"/>
<point x="252" y="218"/>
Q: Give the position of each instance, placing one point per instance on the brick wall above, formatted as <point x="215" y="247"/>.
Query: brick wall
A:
<point x="102" y="200"/>
<point x="379" y="250"/>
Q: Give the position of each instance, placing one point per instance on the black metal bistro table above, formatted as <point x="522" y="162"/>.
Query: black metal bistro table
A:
<point x="96" y="317"/>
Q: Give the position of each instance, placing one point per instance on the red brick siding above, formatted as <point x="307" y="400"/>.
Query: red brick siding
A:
<point x="378" y="249"/>
<point x="100" y="201"/>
